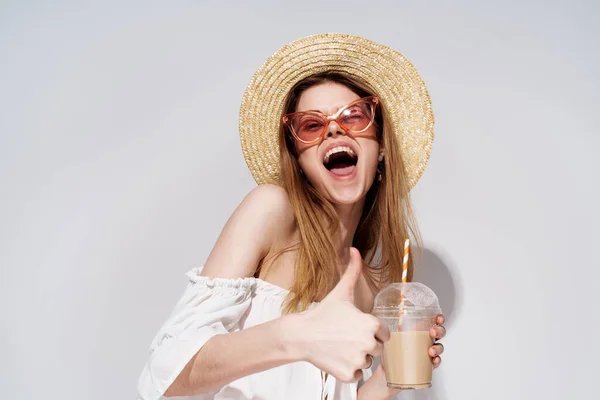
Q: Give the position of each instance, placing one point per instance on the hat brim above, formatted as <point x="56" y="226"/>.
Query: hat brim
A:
<point x="394" y="79"/>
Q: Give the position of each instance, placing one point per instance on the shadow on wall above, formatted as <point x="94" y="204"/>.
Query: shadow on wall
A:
<point x="436" y="271"/>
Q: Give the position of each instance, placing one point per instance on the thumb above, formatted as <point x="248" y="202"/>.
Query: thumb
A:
<point x="344" y="290"/>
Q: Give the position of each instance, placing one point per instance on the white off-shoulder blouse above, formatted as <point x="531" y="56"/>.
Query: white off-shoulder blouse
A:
<point x="210" y="307"/>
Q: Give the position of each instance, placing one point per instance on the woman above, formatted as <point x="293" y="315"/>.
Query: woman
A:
<point x="280" y="309"/>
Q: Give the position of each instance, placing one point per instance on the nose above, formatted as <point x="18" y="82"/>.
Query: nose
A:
<point x="334" y="127"/>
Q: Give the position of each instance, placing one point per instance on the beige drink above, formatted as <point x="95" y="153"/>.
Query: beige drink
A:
<point x="405" y="360"/>
<point x="409" y="310"/>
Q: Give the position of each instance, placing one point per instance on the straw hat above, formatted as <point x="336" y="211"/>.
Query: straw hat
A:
<point x="392" y="77"/>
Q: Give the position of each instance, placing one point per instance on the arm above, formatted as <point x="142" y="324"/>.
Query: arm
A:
<point x="225" y="358"/>
<point x="246" y="238"/>
<point x="334" y="336"/>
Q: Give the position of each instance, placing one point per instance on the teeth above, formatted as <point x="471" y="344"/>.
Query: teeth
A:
<point x="338" y="150"/>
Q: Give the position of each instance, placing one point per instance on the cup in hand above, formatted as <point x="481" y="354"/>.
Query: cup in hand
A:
<point x="409" y="310"/>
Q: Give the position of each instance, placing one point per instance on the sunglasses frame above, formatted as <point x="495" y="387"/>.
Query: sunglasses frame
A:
<point x="372" y="100"/>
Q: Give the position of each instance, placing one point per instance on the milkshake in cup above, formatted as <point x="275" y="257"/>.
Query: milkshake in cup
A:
<point x="409" y="310"/>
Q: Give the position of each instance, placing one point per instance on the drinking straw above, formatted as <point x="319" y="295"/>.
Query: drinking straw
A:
<point x="404" y="277"/>
<point x="405" y="260"/>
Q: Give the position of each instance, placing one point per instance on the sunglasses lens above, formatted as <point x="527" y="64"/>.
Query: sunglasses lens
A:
<point x="307" y="127"/>
<point x="357" y="118"/>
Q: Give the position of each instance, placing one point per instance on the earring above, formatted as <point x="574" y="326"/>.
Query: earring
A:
<point x="380" y="167"/>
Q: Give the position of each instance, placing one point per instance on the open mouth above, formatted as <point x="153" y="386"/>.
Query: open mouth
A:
<point x="340" y="160"/>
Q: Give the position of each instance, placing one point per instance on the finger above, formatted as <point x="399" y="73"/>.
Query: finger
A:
<point x="436" y="362"/>
<point x="437" y="332"/>
<point x="368" y="362"/>
<point x="377" y="349"/>
<point x="436" y="350"/>
<point x="383" y="332"/>
<point x="439" y="320"/>
<point x="358" y="375"/>
<point x="344" y="290"/>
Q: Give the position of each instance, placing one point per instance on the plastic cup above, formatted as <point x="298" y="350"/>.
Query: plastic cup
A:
<point x="409" y="310"/>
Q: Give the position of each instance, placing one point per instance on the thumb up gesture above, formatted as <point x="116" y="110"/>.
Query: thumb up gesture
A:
<point x="340" y="339"/>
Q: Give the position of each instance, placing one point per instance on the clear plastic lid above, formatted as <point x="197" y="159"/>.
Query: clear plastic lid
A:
<point x="412" y="298"/>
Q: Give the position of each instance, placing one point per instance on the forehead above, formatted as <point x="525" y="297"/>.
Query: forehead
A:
<point x="327" y="98"/>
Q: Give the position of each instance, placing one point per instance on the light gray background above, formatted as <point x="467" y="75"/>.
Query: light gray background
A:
<point x="120" y="162"/>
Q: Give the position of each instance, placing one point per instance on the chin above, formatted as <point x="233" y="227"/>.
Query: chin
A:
<point x="345" y="191"/>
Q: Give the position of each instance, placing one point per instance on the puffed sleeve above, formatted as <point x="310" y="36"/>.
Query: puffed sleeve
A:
<point x="207" y="308"/>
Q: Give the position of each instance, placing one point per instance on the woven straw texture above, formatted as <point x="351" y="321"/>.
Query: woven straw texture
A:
<point x="393" y="78"/>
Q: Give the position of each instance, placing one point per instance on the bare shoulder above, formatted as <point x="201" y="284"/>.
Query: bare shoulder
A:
<point x="264" y="216"/>
<point x="271" y="200"/>
<point x="270" y="207"/>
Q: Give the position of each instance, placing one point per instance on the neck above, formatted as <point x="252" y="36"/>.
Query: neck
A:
<point x="349" y="216"/>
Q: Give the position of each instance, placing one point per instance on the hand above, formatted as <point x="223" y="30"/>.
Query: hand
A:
<point x="338" y="338"/>
<point x="437" y="332"/>
<point x="375" y="388"/>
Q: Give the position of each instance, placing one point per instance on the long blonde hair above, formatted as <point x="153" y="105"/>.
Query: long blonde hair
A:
<point x="387" y="210"/>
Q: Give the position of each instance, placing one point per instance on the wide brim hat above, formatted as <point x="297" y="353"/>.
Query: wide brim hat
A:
<point x="392" y="77"/>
